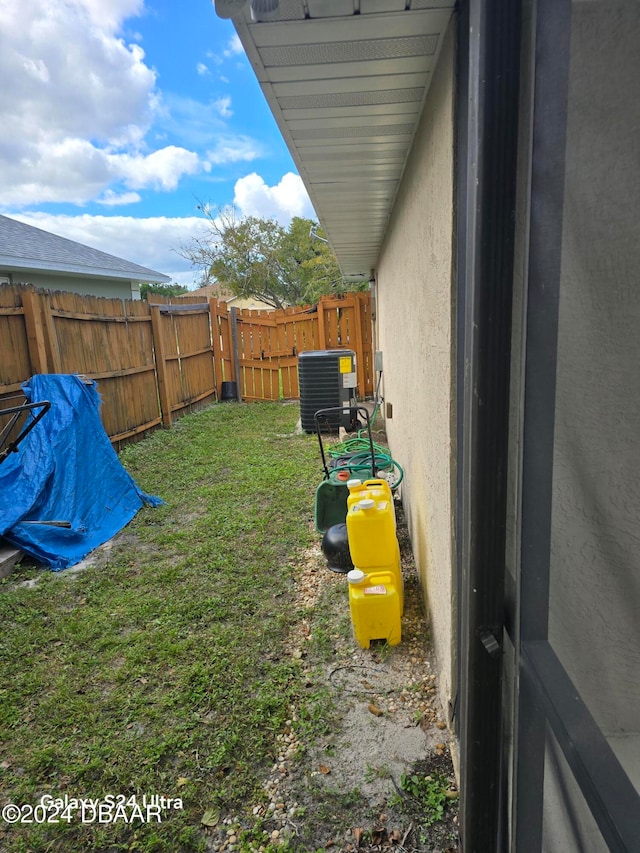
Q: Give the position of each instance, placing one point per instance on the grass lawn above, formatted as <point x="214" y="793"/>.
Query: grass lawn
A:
<point x="165" y="670"/>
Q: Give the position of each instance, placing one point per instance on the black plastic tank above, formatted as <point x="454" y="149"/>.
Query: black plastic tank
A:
<point x="335" y="547"/>
<point x="229" y="391"/>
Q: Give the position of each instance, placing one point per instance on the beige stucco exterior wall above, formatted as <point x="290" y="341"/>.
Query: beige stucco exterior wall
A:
<point x="415" y="301"/>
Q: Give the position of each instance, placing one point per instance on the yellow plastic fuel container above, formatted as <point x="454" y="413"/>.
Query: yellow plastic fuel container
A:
<point x="373" y="544"/>
<point x="378" y="489"/>
<point x="375" y="607"/>
<point x="371" y="528"/>
<point x="357" y="492"/>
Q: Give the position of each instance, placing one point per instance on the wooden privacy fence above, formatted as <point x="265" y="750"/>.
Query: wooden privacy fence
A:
<point x="156" y="361"/>
<point x="269" y="343"/>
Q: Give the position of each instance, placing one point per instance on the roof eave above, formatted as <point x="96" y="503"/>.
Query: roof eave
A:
<point x="11" y="264"/>
<point x="350" y="122"/>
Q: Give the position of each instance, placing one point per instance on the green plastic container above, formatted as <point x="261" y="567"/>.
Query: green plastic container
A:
<point x="330" y="504"/>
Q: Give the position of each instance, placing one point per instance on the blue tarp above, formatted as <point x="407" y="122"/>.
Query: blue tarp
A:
<point x="65" y="469"/>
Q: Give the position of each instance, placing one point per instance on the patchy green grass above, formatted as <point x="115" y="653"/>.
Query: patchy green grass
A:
<point x="165" y="670"/>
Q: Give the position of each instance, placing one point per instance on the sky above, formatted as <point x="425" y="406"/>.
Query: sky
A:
<point x="120" y="117"/>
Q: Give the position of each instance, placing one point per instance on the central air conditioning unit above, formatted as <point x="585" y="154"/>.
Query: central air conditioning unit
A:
<point x="327" y="379"/>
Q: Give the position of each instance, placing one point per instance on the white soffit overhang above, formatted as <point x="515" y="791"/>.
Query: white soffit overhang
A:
<point x="346" y="81"/>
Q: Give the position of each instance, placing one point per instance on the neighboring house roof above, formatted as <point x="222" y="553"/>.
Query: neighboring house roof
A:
<point x="24" y="247"/>
<point x="346" y="81"/>
<point x="223" y="294"/>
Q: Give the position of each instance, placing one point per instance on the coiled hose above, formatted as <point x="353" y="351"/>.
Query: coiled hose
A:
<point x="354" y="455"/>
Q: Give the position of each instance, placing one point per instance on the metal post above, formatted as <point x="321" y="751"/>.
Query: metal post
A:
<point x="490" y="38"/>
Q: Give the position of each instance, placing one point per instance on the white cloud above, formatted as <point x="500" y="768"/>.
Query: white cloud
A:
<point x="234" y="149"/>
<point x="109" y="16"/>
<point x="71" y="74"/>
<point x="197" y="123"/>
<point x="79" y="106"/>
<point x="112" y="199"/>
<point x="223" y="106"/>
<point x="283" y="201"/>
<point x="232" y="50"/>
<point x="36" y="69"/>
<point x="161" y="170"/>
<point x="202" y="69"/>
<point x="152" y="242"/>
<point x="214" y="57"/>
<point x="234" y="47"/>
<point x="74" y="170"/>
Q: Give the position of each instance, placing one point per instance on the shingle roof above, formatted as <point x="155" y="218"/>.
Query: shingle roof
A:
<point x="26" y="247"/>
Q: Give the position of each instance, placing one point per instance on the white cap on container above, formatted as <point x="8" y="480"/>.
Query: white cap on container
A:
<point x="355" y="576"/>
<point x="367" y="503"/>
<point x="351" y="484"/>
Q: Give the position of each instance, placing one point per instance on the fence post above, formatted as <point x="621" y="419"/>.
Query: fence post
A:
<point x="161" y="366"/>
<point x="54" y="361"/>
<point x="359" y="346"/>
<point x="217" y="348"/>
<point x="322" y="335"/>
<point x="35" y="332"/>
<point x="235" y="362"/>
<point x="51" y="336"/>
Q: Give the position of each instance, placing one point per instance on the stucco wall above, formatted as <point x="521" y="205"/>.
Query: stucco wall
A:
<point x="414" y="293"/>
<point x="595" y="568"/>
<point x="74" y="284"/>
<point x="594" y="607"/>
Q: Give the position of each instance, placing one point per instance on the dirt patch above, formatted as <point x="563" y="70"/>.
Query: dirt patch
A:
<point x="351" y="790"/>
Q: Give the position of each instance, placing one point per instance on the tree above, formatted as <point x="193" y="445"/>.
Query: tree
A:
<point x="162" y="290"/>
<point x="256" y="257"/>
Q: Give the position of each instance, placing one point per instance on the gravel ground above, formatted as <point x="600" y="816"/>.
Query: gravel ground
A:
<point x="345" y="793"/>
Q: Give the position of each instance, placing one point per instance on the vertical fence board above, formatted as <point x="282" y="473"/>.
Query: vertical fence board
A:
<point x="161" y="367"/>
<point x="289" y="368"/>
<point x="225" y="337"/>
<point x="15" y="362"/>
<point x="35" y="332"/>
<point x="366" y="326"/>
<point x="53" y="348"/>
<point x="322" y="330"/>
<point x="216" y="343"/>
<point x="357" y="323"/>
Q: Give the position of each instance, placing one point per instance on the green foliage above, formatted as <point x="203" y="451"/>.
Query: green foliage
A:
<point x="312" y="260"/>
<point x="258" y="258"/>
<point x="162" y="290"/>
<point x="430" y="792"/>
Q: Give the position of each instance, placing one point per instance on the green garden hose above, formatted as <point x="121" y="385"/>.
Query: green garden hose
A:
<point x="354" y="455"/>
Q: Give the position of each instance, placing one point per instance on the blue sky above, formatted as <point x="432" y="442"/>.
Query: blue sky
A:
<point x="125" y="113"/>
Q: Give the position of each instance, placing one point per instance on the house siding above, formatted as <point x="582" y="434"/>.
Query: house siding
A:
<point x="111" y="288"/>
<point x="415" y="302"/>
